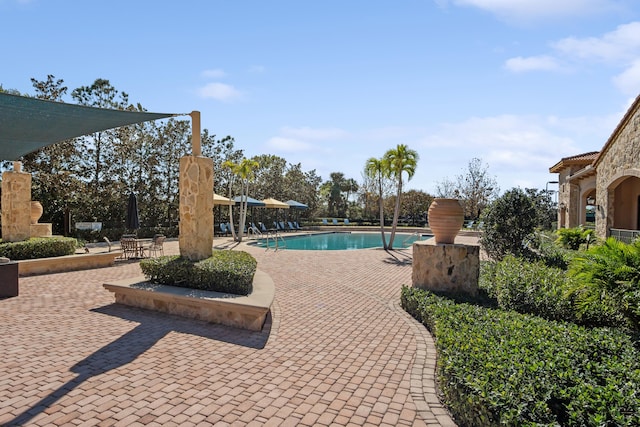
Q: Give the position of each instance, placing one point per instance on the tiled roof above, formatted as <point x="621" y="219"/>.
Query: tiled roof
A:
<point x="579" y="159"/>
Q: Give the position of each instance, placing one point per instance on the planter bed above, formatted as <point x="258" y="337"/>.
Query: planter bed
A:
<point x="245" y="312"/>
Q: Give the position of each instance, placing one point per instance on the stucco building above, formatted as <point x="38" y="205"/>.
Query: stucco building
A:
<point x="607" y="180"/>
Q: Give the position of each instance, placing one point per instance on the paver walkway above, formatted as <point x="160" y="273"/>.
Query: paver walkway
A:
<point x="338" y="350"/>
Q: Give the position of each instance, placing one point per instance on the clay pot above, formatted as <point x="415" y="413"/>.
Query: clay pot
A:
<point x="36" y="212"/>
<point x="445" y="219"/>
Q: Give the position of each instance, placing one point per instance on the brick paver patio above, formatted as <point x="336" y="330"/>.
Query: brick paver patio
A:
<point x="337" y="350"/>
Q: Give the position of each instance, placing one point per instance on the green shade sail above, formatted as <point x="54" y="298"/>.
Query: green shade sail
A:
<point x="28" y="124"/>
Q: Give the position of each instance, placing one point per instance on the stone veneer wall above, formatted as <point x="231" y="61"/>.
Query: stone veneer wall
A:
<point x="16" y="206"/>
<point x="446" y="267"/>
<point x="196" y="207"/>
<point x="621" y="159"/>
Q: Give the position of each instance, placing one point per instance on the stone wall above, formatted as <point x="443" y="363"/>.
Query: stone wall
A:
<point x="445" y="267"/>
<point x="196" y="207"/>
<point x="16" y="205"/>
<point x="620" y="160"/>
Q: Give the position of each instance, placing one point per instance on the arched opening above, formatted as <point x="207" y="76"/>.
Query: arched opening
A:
<point x="588" y="204"/>
<point x="626" y="197"/>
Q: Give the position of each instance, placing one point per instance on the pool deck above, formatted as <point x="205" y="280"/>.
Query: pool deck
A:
<point x="337" y="349"/>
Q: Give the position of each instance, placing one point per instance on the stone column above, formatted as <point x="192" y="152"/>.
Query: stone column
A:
<point x="16" y="204"/>
<point x="196" y="207"/>
<point x="444" y="267"/>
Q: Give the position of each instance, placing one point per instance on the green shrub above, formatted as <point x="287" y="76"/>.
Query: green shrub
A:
<point x="528" y="287"/>
<point x="40" y="247"/>
<point x="572" y="238"/>
<point x="225" y="271"/>
<point x="509" y="223"/>
<point x="504" y="368"/>
<point x="607" y="282"/>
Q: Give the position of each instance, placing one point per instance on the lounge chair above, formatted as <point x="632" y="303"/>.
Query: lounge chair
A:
<point x="296" y="225"/>
<point x="262" y="227"/>
<point x="469" y="224"/>
<point x="335" y="221"/>
<point x="480" y="225"/>
<point x="223" y="229"/>
<point x="282" y="226"/>
<point x="291" y="227"/>
<point x="324" y="221"/>
<point x="106" y="239"/>
<point x="346" y="221"/>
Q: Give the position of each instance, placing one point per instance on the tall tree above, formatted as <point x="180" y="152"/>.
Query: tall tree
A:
<point x="245" y="172"/>
<point x="378" y="170"/>
<point x="400" y="160"/>
<point x="476" y="188"/>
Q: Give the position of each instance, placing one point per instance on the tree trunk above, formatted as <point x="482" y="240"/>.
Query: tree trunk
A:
<point x="396" y="214"/>
<point x="381" y="206"/>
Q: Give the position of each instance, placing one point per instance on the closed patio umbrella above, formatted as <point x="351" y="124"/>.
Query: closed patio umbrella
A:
<point x="132" y="221"/>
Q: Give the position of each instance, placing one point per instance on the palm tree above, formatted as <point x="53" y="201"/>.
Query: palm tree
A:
<point x="400" y="159"/>
<point x="378" y="170"/>
<point x="244" y="171"/>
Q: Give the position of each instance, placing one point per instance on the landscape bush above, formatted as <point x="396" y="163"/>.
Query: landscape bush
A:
<point x="572" y="238"/>
<point x="38" y="247"/>
<point x="607" y="282"/>
<point x="509" y="224"/>
<point x="499" y="367"/>
<point x="225" y="271"/>
<point x="528" y="287"/>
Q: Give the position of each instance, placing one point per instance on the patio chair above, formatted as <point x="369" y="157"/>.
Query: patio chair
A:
<point x="157" y="245"/>
<point x="129" y="247"/>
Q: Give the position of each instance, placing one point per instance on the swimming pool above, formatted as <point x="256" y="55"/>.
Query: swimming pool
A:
<point x="340" y="241"/>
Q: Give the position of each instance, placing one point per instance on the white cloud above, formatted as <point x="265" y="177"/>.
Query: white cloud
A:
<point x="326" y="134"/>
<point x="279" y="143"/>
<point x="620" y="45"/>
<point x="532" y="63"/>
<point x="628" y="82"/>
<point x="219" y="91"/>
<point x="215" y="73"/>
<point x="528" y="10"/>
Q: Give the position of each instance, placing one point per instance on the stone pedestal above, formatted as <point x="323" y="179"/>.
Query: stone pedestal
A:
<point x="40" y="230"/>
<point x="16" y="205"/>
<point x="196" y="207"/>
<point x="444" y="267"/>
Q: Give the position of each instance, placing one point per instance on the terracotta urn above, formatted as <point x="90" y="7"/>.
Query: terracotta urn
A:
<point x="445" y="219"/>
<point x="36" y="212"/>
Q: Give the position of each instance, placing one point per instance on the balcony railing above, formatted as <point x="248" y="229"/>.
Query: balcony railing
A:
<point x="626" y="236"/>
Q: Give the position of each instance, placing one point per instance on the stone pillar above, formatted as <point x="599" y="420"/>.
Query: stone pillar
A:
<point x="16" y="204"/>
<point x="444" y="267"/>
<point x="196" y="207"/>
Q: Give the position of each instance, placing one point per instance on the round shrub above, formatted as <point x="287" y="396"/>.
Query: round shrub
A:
<point x="225" y="271"/>
<point x="509" y="223"/>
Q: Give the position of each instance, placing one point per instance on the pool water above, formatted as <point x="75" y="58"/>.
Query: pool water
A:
<point x="341" y="241"/>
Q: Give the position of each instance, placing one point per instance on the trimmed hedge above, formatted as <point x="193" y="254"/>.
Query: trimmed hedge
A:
<point x="38" y="247"/>
<point x="504" y="368"/>
<point x="528" y="287"/>
<point x="225" y="271"/>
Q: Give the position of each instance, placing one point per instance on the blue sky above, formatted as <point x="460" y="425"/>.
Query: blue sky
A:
<point x="328" y="84"/>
